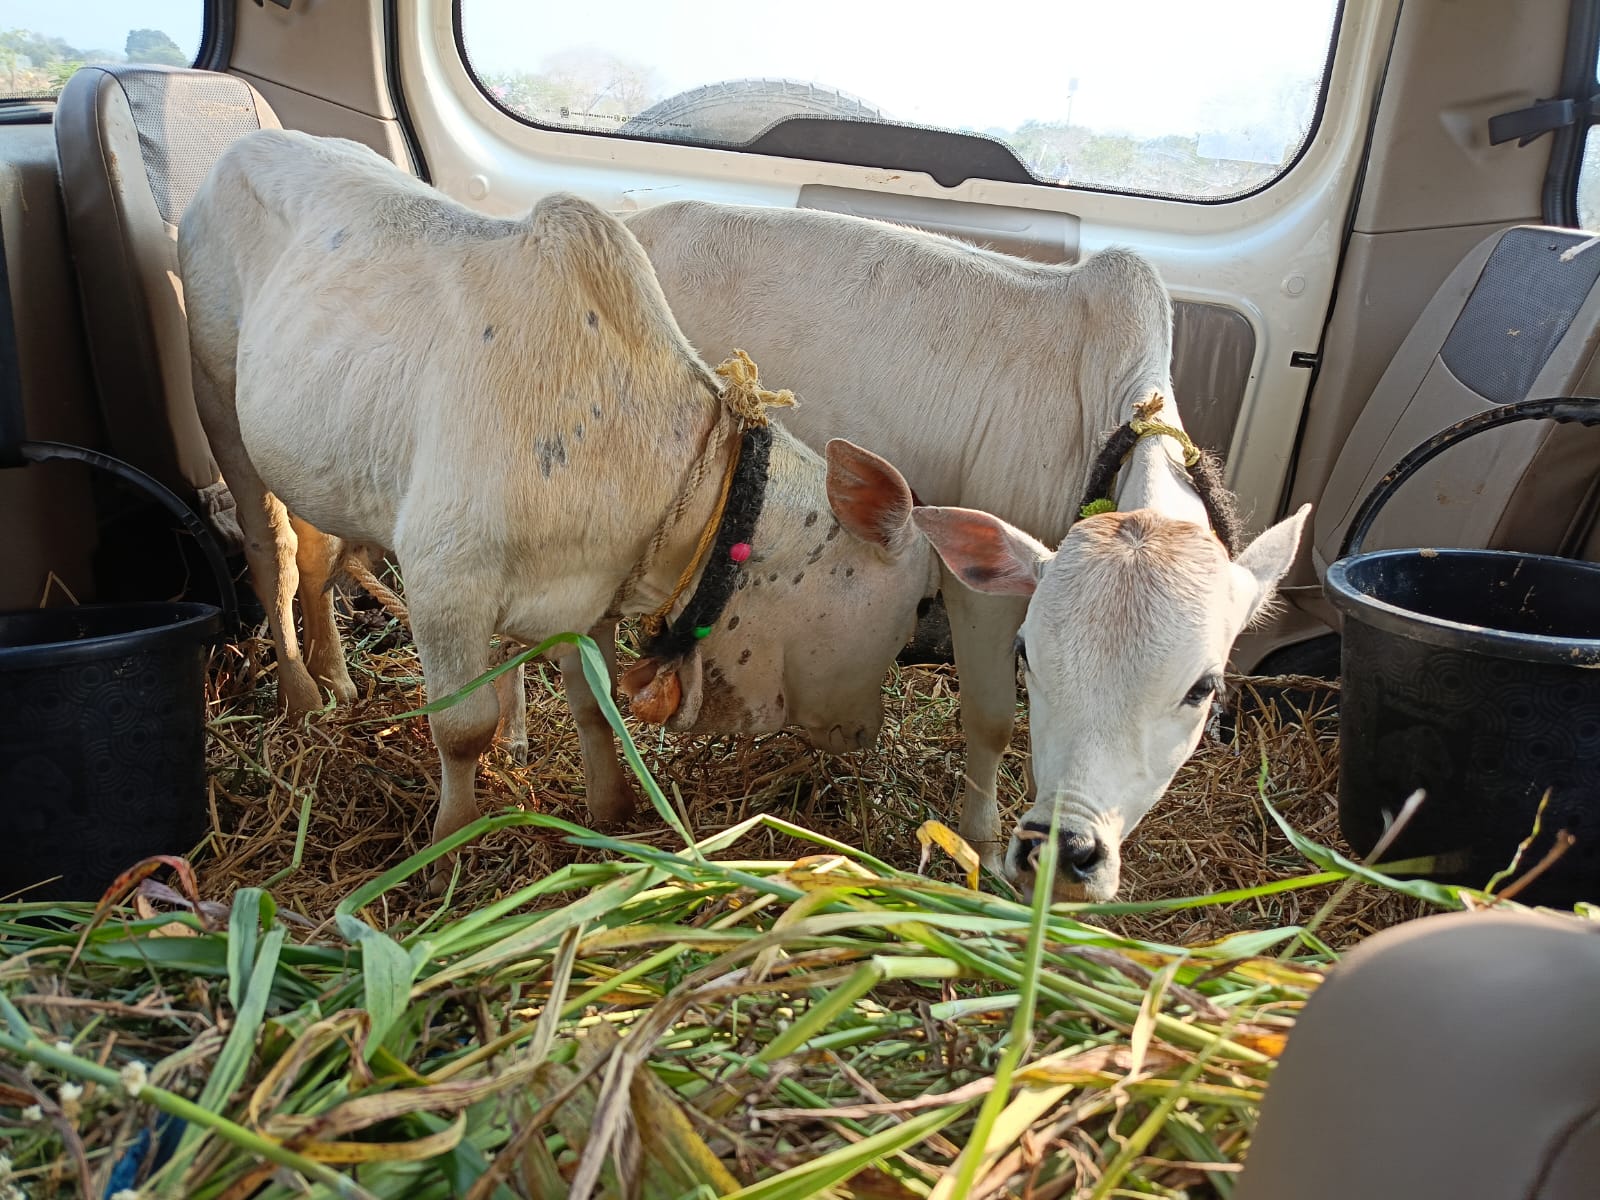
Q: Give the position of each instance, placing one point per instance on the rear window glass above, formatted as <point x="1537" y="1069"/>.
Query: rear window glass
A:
<point x="42" y="42"/>
<point x="1170" y="97"/>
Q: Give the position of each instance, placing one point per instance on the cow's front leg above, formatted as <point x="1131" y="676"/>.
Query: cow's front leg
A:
<point x="983" y="630"/>
<point x="317" y="555"/>
<point x="453" y="642"/>
<point x="610" y="792"/>
<point x="511" y="692"/>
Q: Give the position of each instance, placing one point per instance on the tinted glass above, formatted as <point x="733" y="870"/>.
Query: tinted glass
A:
<point x="1200" y="101"/>
<point x="42" y="42"/>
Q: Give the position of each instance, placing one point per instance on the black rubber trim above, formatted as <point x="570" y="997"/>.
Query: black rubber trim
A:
<point x="216" y="37"/>
<point x="906" y="147"/>
<point x="1559" y="202"/>
<point x="397" y="95"/>
<point x="947" y="157"/>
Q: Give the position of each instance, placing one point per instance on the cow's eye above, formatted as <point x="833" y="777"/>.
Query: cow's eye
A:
<point x="1204" y="688"/>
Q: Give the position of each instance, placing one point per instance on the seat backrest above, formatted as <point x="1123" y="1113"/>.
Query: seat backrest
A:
<point x="134" y="144"/>
<point x="1515" y="320"/>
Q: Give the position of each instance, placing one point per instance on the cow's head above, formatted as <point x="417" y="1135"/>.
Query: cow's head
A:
<point x="1128" y="628"/>
<point x="828" y="597"/>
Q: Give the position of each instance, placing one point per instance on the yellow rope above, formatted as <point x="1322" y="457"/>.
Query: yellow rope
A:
<point x="743" y="394"/>
<point x="1145" y="427"/>
<point x="653" y="622"/>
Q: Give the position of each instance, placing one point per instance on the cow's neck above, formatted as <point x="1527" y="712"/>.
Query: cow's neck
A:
<point x="666" y="568"/>
<point x="1155" y="478"/>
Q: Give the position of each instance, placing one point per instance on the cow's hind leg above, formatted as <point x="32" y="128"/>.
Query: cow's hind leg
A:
<point x="609" y="791"/>
<point x="982" y="629"/>
<point x="453" y="636"/>
<point x="317" y="556"/>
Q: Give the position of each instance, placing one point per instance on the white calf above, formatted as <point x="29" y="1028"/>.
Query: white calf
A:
<point x="510" y="406"/>
<point x="990" y="381"/>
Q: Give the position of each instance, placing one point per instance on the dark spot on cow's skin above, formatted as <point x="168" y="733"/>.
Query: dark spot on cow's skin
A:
<point x="814" y="555"/>
<point x="488" y="333"/>
<point x="744" y="582"/>
<point x="979" y="574"/>
<point x="551" y="453"/>
<point x="593" y="319"/>
<point x="798" y="577"/>
<point x="832" y="533"/>
<point x="811" y="519"/>
<point x="577" y="432"/>
<point x="720" y="705"/>
<point x="733" y="622"/>
<point x="849" y="571"/>
<point x="337" y="239"/>
<point x="744" y="657"/>
<point x="772" y="578"/>
<point x="595" y="411"/>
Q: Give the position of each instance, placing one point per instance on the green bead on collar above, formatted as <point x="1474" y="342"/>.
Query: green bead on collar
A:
<point x="1095" y="507"/>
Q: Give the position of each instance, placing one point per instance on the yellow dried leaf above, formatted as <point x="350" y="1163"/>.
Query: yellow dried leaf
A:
<point x="936" y="833"/>
<point x="1270" y="1044"/>
<point x="1098" y="1066"/>
<point x="413" y="1151"/>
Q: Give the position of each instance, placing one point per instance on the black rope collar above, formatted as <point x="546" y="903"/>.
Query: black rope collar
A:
<point x="729" y="552"/>
<point x="1205" y="473"/>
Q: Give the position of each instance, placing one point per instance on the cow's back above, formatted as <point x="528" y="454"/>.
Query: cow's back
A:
<point x="412" y="373"/>
<point x="987" y="379"/>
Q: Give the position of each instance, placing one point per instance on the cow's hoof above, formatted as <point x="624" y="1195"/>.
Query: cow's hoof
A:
<point x="440" y="879"/>
<point x="344" y="692"/>
<point x="517" y="748"/>
<point x="297" y="696"/>
<point x="613" y="805"/>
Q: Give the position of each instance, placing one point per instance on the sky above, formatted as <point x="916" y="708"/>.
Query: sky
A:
<point x="1145" y="67"/>
<point x="104" y="24"/>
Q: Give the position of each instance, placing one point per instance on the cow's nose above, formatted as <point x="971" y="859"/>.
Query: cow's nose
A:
<point x="1077" y="854"/>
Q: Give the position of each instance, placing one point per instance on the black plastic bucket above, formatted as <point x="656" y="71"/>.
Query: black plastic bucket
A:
<point x="102" y="741"/>
<point x="102" y="725"/>
<point x="1474" y="675"/>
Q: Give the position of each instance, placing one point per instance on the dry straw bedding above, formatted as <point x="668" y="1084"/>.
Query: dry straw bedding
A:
<point x="373" y="782"/>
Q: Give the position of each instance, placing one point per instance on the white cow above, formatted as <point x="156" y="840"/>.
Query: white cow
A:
<point x="511" y="407"/>
<point x="990" y="381"/>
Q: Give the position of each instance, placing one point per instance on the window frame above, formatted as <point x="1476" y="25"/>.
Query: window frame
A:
<point x="1306" y="143"/>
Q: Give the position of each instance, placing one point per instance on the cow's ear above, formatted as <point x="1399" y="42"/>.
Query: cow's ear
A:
<point x="869" y="497"/>
<point x="1267" y="560"/>
<point x="983" y="551"/>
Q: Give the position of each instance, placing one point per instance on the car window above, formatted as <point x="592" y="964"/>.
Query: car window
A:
<point x="42" y="42"/>
<point x="1195" y="101"/>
